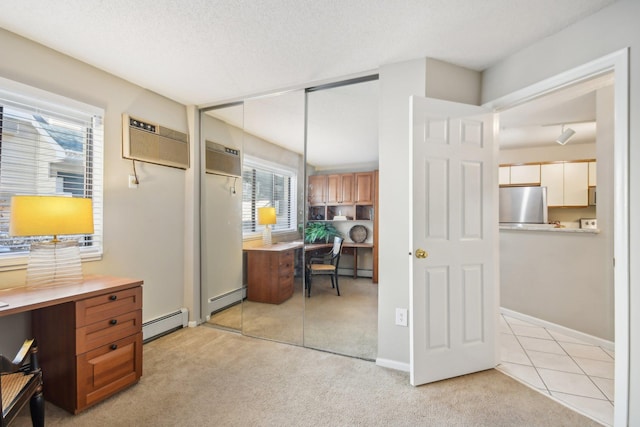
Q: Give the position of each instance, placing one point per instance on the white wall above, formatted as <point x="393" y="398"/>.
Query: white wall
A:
<point x="397" y="83"/>
<point x="547" y="153"/>
<point x="603" y="33"/>
<point x="423" y="77"/>
<point x="143" y="229"/>
<point x="558" y="277"/>
<point x="452" y="83"/>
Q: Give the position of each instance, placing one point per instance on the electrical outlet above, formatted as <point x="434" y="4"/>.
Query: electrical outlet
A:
<point x="133" y="182"/>
<point x="401" y="317"/>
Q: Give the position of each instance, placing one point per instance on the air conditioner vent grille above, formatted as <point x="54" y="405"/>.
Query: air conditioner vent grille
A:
<point x="152" y="143"/>
<point x="222" y="160"/>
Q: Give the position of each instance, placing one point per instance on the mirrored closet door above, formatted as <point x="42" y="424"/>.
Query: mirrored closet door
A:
<point x="342" y="163"/>
<point x="222" y="289"/>
<point x="273" y="197"/>
<point x="303" y="167"/>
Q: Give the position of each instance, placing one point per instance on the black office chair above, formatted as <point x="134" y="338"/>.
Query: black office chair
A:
<point x="21" y="383"/>
<point x="326" y="264"/>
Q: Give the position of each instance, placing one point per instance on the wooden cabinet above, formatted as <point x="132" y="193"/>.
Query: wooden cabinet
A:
<point x="340" y="189"/>
<point x="90" y="348"/>
<point x="317" y="190"/>
<point x="270" y="272"/>
<point x="350" y="195"/>
<point x="567" y="183"/>
<point x="365" y="188"/>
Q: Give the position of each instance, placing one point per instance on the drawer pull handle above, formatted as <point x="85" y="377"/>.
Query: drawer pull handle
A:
<point x="113" y="297"/>
<point x="113" y="321"/>
<point x="114" y="346"/>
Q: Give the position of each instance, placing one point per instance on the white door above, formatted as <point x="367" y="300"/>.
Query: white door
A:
<point x="454" y="276"/>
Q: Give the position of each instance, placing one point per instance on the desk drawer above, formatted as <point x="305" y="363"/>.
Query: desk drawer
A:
<point x="286" y="258"/>
<point x="105" y="307"/>
<point x="108" y="369"/>
<point x="107" y="331"/>
<point x="348" y="251"/>
<point x="286" y="264"/>
<point x="285" y="288"/>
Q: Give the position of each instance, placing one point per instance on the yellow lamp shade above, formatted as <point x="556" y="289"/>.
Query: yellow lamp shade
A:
<point x="266" y="215"/>
<point x="50" y="216"/>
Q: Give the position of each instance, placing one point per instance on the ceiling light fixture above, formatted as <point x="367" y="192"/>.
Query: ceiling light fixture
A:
<point x="565" y="136"/>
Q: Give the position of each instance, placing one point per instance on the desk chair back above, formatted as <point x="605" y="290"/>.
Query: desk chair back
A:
<point x="326" y="265"/>
<point x="21" y="383"/>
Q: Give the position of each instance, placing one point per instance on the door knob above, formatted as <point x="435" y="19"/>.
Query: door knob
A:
<point x="421" y="253"/>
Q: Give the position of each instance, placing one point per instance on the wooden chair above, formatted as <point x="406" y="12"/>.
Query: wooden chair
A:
<point x="326" y="264"/>
<point x="21" y="383"/>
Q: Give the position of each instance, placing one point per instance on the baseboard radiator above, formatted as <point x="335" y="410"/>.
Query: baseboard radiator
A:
<point x="164" y="324"/>
<point x="226" y="300"/>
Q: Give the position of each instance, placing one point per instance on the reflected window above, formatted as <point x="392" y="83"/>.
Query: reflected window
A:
<point x="267" y="184"/>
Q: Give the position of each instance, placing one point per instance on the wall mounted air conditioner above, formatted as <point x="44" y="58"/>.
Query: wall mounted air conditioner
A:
<point x="221" y="160"/>
<point x="149" y="142"/>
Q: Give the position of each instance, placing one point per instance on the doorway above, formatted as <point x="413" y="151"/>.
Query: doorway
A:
<point x="616" y="64"/>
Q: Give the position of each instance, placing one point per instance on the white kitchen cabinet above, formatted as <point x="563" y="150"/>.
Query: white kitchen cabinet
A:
<point x="592" y="174"/>
<point x="576" y="184"/>
<point x="552" y="177"/>
<point x="525" y="174"/>
<point x="567" y="183"/>
<point x="519" y="175"/>
<point x="504" y="175"/>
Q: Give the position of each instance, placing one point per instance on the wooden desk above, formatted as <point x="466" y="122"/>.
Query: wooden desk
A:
<point x="89" y="337"/>
<point x="270" y="271"/>
<point x="351" y="248"/>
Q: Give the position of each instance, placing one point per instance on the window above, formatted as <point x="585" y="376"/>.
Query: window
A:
<point x="267" y="184"/>
<point x="49" y="145"/>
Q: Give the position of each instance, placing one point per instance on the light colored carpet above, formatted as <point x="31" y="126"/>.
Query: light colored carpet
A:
<point x="209" y="377"/>
<point x="345" y="324"/>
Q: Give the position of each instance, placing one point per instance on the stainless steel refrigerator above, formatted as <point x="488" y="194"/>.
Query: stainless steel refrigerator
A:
<point x="523" y="205"/>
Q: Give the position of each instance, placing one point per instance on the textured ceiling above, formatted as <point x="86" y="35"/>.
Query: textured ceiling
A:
<point x="203" y="51"/>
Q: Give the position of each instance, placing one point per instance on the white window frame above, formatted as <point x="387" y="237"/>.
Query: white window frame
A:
<point x="47" y="101"/>
<point x="255" y="162"/>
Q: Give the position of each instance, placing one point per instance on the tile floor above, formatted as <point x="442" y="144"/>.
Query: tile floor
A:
<point x="578" y="374"/>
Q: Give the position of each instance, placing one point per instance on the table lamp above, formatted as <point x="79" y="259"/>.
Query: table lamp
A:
<point x="53" y="262"/>
<point x="266" y="217"/>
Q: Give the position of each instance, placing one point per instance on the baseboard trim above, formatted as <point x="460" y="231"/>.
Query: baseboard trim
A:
<point x="393" y="364"/>
<point x="609" y="345"/>
<point x="163" y="325"/>
<point x="226" y="300"/>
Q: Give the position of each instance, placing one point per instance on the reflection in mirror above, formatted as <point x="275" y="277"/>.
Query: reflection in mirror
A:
<point x="221" y="224"/>
<point x="342" y="163"/>
<point x="273" y="177"/>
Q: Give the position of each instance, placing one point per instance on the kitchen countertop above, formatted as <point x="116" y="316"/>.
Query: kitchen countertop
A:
<point x="548" y="228"/>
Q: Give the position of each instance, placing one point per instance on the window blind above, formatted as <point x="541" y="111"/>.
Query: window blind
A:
<point x="265" y="184"/>
<point x="48" y="148"/>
